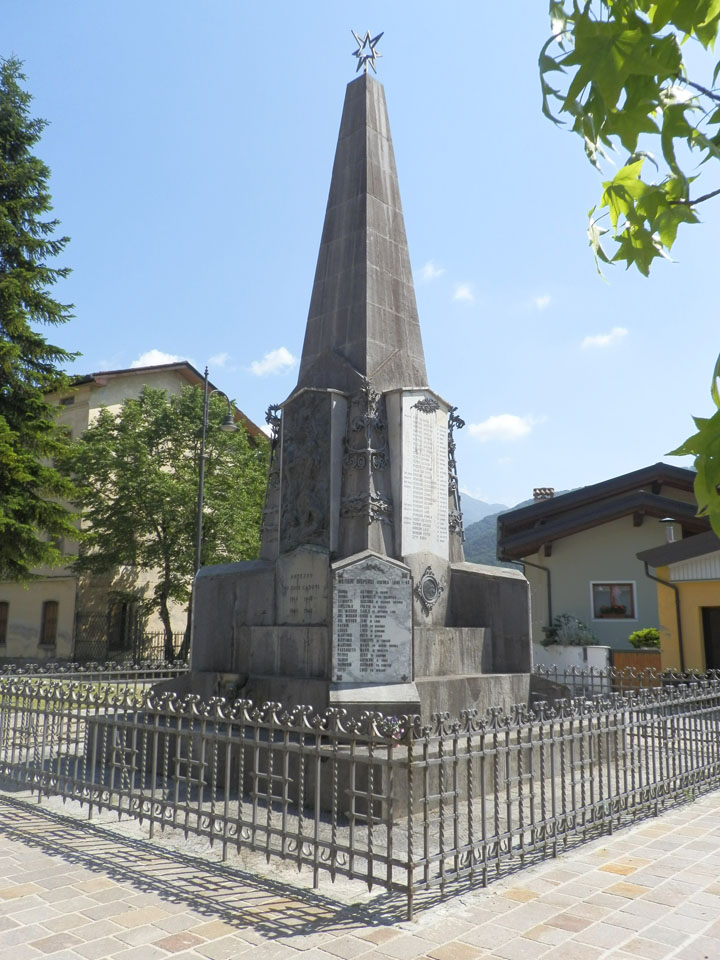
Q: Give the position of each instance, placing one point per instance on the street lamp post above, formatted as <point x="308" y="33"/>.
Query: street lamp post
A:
<point x="229" y="426"/>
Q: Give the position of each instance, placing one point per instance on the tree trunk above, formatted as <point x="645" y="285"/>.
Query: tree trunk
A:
<point x="185" y="647"/>
<point x="165" y="617"/>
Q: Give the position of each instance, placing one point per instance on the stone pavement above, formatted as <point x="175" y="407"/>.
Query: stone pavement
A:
<point x="72" y="890"/>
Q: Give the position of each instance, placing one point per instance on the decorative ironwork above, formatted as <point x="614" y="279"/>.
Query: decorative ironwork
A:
<point x="367" y="798"/>
<point x="455" y="517"/>
<point x="371" y="506"/>
<point x="366" y="416"/>
<point x="427" y="405"/>
<point x="271" y="512"/>
<point x="455" y="522"/>
<point x="429" y="589"/>
<point x="366" y="53"/>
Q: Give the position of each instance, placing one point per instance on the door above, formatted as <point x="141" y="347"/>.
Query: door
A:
<point x="711" y="637"/>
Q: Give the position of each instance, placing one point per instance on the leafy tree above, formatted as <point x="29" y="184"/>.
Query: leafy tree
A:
<point x="137" y="473"/>
<point x="31" y="489"/>
<point x="637" y="77"/>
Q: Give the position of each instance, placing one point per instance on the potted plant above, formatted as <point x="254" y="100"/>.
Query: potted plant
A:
<point x="646" y="639"/>
<point x="610" y="610"/>
<point x="568" y="631"/>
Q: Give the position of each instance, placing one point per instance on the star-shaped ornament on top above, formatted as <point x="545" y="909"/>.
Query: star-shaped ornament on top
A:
<point x="366" y="52"/>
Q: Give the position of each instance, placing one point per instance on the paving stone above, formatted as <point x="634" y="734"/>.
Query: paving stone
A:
<point x="224" y="949"/>
<point x="572" y="950"/>
<point x="146" y="952"/>
<point x="138" y="918"/>
<point x="176" y="942"/>
<point x="63" y="922"/>
<point x="603" y="935"/>
<point x="569" y="921"/>
<point x="383" y="934"/>
<point x="55" y="942"/>
<point x="405" y="947"/>
<point x="521" y="894"/>
<point x="651" y="949"/>
<point x="489" y="935"/>
<point x="135" y="936"/>
<point x="546" y="934"/>
<point x="455" y="950"/>
<point x="520" y="949"/>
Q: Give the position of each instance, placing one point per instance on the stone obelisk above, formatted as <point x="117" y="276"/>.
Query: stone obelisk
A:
<point x="362" y="597"/>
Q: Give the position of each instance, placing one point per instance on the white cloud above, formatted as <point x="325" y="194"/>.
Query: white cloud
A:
<point x="151" y="358"/>
<point x="543" y="301"/>
<point x="463" y="291"/>
<point x="605" y="339"/>
<point x="431" y="272"/>
<point x="504" y="427"/>
<point x="219" y="360"/>
<point x="277" y="361"/>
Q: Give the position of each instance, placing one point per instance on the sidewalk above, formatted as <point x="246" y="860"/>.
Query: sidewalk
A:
<point x="72" y="890"/>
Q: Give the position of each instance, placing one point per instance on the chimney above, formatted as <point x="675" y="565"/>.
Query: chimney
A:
<point x="543" y="493"/>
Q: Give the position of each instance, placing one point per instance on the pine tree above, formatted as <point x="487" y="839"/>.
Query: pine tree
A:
<point x="32" y="513"/>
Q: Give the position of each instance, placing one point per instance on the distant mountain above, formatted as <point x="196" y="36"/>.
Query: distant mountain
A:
<point x="474" y="510"/>
<point x="481" y="536"/>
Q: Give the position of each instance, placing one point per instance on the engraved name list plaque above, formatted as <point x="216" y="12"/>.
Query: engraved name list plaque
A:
<point x="372" y="622"/>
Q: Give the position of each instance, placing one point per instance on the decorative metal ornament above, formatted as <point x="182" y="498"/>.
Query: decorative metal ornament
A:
<point x="366" y="53"/>
<point x="370" y="506"/>
<point x="455" y="517"/>
<point x="427" y="405"/>
<point x="366" y="417"/>
<point x="429" y="589"/>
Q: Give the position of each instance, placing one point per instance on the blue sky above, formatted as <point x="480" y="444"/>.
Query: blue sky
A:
<point x="191" y="147"/>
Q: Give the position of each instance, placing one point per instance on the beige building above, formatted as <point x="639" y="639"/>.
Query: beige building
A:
<point x="579" y="549"/>
<point x="61" y="615"/>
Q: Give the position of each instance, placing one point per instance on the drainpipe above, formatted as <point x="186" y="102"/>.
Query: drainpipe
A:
<point x="666" y="583"/>
<point x="545" y="570"/>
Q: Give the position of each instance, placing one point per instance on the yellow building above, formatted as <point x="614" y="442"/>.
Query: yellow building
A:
<point x="61" y="615"/>
<point x="687" y="574"/>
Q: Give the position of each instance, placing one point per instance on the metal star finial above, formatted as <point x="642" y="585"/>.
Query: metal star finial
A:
<point x="366" y="52"/>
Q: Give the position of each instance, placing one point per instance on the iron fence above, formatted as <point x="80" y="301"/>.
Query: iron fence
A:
<point x="588" y="682"/>
<point x="91" y="676"/>
<point x="95" y="640"/>
<point x="390" y="801"/>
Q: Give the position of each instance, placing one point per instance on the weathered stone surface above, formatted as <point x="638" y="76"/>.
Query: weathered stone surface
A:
<point x="363" y="316"/>
<point x="372" y="621"/>
<point x="304" y="471"/>
<point x="452" y="651"/>
<point x="424" y="475"/>
<point x="302" y="586"/>
<point x="299" y="652"/>
<point x="226" y="597"/>
<point x="480" y="691"/>
<point x="498" y="598"/>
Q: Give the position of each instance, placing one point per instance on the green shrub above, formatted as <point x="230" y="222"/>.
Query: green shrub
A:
<point x="568" y="631"/>
<point x="649" y="637"/>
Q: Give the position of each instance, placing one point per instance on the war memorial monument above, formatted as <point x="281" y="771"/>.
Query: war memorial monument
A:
<point x="361" y="597"/>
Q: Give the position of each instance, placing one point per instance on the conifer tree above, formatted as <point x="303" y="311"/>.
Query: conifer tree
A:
<point x="32" y="513"/>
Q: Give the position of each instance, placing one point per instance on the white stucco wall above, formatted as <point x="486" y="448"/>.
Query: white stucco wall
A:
<point x="604" y="553"/>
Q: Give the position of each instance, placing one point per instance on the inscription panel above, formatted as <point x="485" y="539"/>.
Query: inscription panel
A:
<point x="424" y="476"/>
<point x="302" y="587"/>
<point x="372" y="623"/>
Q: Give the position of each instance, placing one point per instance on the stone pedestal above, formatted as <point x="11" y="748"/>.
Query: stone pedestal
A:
<point x="362" y="598"/>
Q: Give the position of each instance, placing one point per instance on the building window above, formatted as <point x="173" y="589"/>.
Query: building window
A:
<point x="48" y="629"/>
<point x="4" y="614"/>
<point x="613" y="601"/>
